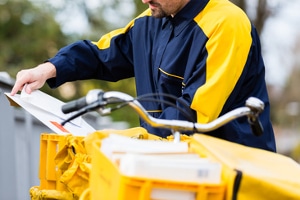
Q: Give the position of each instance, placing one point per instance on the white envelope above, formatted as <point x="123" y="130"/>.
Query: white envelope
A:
<point x="47" y="109"/>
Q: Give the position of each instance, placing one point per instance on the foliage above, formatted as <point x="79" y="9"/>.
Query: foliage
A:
<point x="28" y="36"/>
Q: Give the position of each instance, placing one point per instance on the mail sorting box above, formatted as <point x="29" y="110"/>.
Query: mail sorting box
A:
<point x="50" y="187"/>
<point x="106" y="182"/>
<point x="49" y="173"/>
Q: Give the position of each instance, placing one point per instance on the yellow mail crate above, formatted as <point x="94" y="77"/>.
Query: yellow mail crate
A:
<point x="48" y="171"/>
<point x="106" y="182"/>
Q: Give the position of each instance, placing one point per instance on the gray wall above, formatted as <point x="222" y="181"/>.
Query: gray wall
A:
<point x="19" y="148"/>
<point x="20" y="143"/>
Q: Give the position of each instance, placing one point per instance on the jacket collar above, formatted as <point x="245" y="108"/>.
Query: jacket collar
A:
<point x="185" y="15"/>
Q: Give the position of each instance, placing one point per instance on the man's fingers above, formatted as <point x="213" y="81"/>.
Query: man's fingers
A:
<point x="19" y="84"/>
<point x="35" y="78"/>
<point x="30" y="87"/>
<point x="16" y="89"/>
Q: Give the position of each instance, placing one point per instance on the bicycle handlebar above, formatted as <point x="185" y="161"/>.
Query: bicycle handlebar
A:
<point x="77" y="104"/>
<point x="97" y="100"/>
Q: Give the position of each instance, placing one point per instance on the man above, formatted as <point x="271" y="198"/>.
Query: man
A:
<point x="205" y="52"/>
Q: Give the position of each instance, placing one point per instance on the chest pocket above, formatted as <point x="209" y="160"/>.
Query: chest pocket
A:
<point x="170" y="83"/>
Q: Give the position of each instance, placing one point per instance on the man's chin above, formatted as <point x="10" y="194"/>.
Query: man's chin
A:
<point x="156" y="14"/>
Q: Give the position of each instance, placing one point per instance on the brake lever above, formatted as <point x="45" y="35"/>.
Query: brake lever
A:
<point x="256" y="126"/>
<point x="256" y="106"/>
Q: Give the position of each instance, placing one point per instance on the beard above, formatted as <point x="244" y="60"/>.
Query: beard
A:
<point x="157" y="11"/>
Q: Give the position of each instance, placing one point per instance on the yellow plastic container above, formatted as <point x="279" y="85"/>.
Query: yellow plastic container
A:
<point x="59" y="155"/>
<point x="48" y="171"/>
<point x="50" y="187"/>
<point x="106" y="182"/>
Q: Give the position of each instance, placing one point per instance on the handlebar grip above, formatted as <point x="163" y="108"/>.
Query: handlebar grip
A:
<point x="256" y="127"/>
<point x="74" y="105"/>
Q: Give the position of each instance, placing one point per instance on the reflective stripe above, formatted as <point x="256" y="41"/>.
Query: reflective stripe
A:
<point x="173" y="75"/>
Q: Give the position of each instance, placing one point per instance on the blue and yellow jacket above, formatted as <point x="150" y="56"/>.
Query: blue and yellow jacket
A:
<point x="208" y="56"/>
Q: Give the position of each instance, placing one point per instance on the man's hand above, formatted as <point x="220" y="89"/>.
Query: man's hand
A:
<point x="35" y="78"/>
